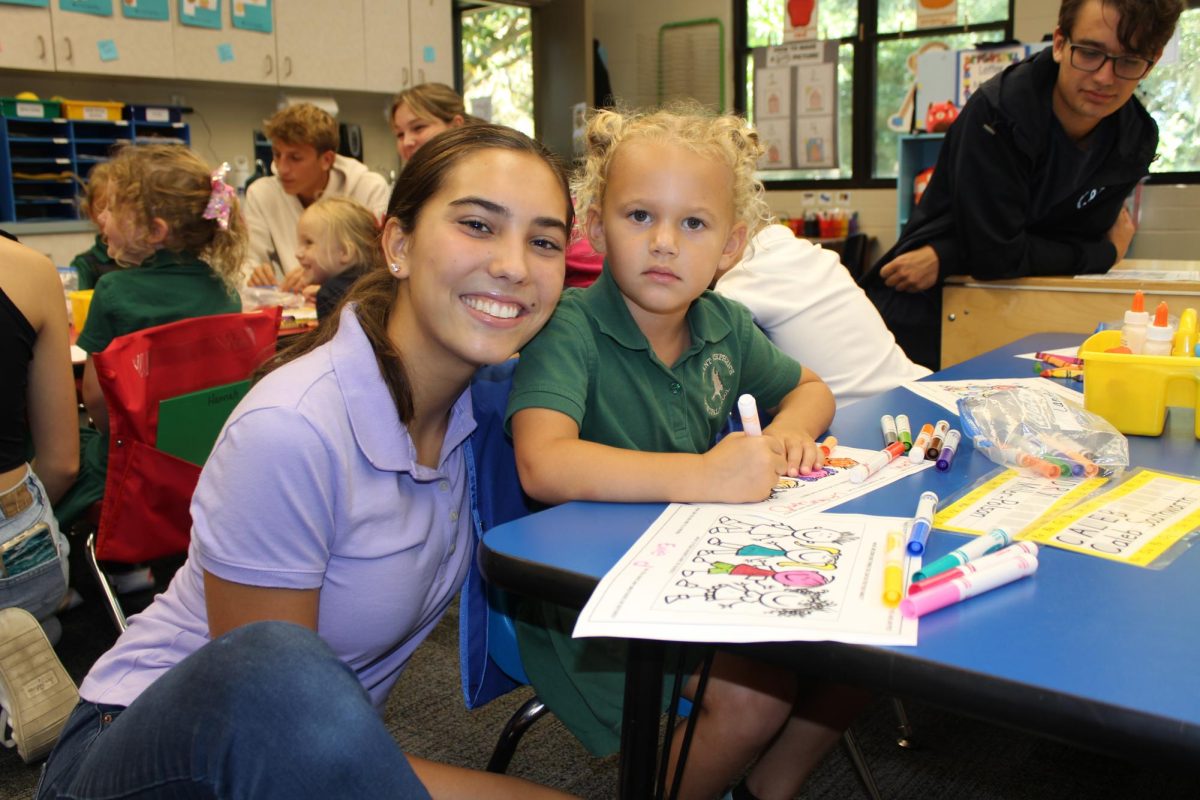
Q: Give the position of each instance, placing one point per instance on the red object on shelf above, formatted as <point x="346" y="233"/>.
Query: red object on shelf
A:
<point x="920" y="182"/>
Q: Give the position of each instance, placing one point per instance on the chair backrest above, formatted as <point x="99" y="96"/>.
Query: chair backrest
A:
<point x="144" y="514"/>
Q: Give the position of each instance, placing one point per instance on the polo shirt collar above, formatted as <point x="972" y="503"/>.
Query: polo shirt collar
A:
<point x="603" y="299"/>
<point x="380" y="435"/>
<point x="169" y="258"/>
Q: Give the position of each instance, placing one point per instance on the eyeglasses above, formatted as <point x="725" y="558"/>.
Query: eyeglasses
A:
<point x="1089" y="59"/>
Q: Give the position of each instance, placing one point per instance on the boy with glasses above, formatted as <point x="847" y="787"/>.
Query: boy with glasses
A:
<point x="1033" y="176"/>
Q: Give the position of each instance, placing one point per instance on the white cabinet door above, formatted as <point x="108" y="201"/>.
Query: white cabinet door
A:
<point x="389" y="56"/>
<point x="112" y="45"/>
<point x="229" y="55"/>
<point x="25" y="38"/>
<point x="319" y="44"/>
<point x="432" y="38"/>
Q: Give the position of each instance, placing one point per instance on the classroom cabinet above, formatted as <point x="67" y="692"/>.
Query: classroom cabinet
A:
<point x="320" y="43"/>
<point x="408" y="42"/>
<point x="372" y="45"/>
<point x="26" y="38"/>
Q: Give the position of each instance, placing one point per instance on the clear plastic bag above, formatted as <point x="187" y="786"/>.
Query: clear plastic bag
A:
<point x="1042" y="433"/>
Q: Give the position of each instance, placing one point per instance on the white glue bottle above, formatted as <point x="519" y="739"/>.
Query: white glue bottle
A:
<point x="1133" y="332"/>
<point x="1160" y="335"/>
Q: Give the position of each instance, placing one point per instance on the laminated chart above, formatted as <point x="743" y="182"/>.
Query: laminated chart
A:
<point x="1014" y="501"/>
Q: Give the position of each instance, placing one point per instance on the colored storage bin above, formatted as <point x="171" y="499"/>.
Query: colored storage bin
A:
<point x="13" y="108"/>
<point x="1133" y="391"/>
<point x="92" y="110"/>
<point x="150" y="113"/>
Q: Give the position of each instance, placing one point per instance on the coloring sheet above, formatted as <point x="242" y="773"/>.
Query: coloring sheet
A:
<point x="719" y="573"/>
<point x="1134" y="522"/>
<point x="1014" y="501"/>
<point x="947" y="393"/>
<point x="830" y="485"/>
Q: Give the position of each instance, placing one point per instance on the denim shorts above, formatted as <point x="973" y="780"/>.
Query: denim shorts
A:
<point x="41" y="588"/>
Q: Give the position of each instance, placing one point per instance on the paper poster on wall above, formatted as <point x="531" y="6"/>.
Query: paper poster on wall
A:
<point x="795" y="105"/>
<point x="976" y="67"/>
<point x="251" y="15"/>
<point x="146" y="9"/>
<point x="936" y="13"/>
<point x="34" y="3"/>
<point x="200" y="13"/>
<point x="800" y="20"/>
<point x="100" y="8"/>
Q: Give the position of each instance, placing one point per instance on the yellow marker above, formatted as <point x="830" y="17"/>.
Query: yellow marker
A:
<point x="893" y="568"/>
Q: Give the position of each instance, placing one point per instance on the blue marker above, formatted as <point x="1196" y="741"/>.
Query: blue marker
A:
<point x="922" y="523"/>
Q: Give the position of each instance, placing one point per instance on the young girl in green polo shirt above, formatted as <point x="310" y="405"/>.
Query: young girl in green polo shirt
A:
<point x="619" y="399"/>
<point x="175" y="225"/>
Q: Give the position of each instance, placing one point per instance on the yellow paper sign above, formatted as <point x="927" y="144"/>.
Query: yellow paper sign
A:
<point x="1014" y="501"/>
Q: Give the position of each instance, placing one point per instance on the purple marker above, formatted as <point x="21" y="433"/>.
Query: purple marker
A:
<point x="950" y="447"/>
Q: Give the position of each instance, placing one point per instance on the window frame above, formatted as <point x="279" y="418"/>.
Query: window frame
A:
<point x="866" y="44"/>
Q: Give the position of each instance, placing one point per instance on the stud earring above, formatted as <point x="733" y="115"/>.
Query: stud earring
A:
<point x="394" y="267"/>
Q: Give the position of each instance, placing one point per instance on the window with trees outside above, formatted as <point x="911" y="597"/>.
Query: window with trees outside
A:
<point x="497" y="63"/>
<point x="877" y="39"/>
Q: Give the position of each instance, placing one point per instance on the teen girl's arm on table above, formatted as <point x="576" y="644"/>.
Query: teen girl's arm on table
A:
<point x="34" y="287"/>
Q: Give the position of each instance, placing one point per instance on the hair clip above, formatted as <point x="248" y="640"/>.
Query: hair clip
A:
<point x="220" y="202"/>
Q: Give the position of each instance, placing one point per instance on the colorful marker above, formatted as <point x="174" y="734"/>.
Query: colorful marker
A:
<point x="959" y="589"/>
<point x="748" y="410"/>
<point x="860" y="472"/>
<point x="828" y="445"/>
<point x="922" y="523"/>
<point x="976" y="548"/>
<point x="975" y="567"/>
<point x="946" y="458"/>
<point x="903" y="432"/>
<point x="893" y="569"/>
<point x="935" y="445"/>
<point x="917" y="454"/>
<point x="888" y="423"/>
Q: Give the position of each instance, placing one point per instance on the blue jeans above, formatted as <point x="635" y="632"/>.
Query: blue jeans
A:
<point x="265" y="711"/>
<point x="38" y="590"/>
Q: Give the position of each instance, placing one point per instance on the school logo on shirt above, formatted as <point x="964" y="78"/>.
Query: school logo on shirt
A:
<point x="1087" y="197"/>
<point x="718" y="380"/>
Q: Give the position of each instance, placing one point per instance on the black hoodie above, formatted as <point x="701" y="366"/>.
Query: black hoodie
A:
<point x="992" y="210"/>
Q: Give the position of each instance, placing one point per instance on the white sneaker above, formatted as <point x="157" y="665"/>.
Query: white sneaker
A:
<point x="36" y="693"/>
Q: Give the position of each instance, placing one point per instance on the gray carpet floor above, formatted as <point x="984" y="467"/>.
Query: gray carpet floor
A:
<point x="955" y="757"/>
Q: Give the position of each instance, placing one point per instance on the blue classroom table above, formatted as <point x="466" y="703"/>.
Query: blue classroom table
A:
<point x="1089" y="651"/>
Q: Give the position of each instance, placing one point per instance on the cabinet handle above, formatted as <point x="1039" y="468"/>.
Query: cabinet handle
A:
<point x="268" y="64"/>
<point x="404" y="76"/>
<point x="70" y="50"/>
<point x="42" y="45"/>
<point x="287" y="66"/>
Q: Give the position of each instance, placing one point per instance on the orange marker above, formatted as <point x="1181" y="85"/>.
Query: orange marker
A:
<point x="828" y="445"/>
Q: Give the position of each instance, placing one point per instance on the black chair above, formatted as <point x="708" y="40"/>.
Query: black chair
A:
<point x="853" y="252"/>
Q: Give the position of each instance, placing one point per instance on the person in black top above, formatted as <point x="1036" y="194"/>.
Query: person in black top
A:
<point x="1033" y="175"/>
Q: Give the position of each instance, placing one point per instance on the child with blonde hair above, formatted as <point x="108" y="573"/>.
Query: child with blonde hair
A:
<point x="176" y="226"/>
<point x="621" y="397"/>
<point x="338" y="243"/>
<point x="94" y="262"/>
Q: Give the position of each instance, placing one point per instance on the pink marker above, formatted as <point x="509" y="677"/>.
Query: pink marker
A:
<point x="990" y="561"/>
<point x="954" y="591"/>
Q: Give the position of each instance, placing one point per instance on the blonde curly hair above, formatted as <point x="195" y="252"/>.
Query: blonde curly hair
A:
<point x="725" y="138"/>
<point x="170" y="182"/>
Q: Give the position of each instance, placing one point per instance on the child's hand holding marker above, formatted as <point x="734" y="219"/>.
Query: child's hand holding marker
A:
<point x="744" y="469"/>
<point x="799" y="447"/>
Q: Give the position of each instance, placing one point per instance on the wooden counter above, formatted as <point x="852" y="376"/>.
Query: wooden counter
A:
<point x="978" y="316"/>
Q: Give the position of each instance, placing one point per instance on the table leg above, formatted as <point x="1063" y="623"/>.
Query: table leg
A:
<point x="640" y="718"/>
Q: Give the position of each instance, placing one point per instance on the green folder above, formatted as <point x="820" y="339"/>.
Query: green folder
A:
<point x="188" y="425"/>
